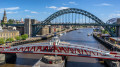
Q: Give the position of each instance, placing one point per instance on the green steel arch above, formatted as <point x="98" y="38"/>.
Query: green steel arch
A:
<point x="72" y="10"/>
<point x="76" y="11"/>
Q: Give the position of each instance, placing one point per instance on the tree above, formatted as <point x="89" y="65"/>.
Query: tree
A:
<point x="10" y="40"/>
<point x="2" y="41"/>
<point x="105" y="32"/>
<point x="2" y="23"/>
<point x="17" y="22"/>
<point x="24" y="37"/>
<point x="18" y="38"/>
<point x="11" y="21"/>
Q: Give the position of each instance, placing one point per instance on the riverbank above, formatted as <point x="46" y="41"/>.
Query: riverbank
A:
<point x="110" y="46"/>
<point x="107" y="43"/>
<point x="29" y="40"/>
<point x="35" y="39"/>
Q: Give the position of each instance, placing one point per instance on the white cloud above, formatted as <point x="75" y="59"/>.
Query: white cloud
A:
<point x="114" y="15"/>
<point x="29" y="16"/>
<point x="34" y="12"/>
<point x="26" y="10"/>
<point x="12" y="8"/>
<point x="74" y="3"/>
<point x="11" y="12"/>
<point x="57" y="8"/>
<point x="64" y="4"/>
<point x="52" y="7"/>
<point x="61" y="8"/>
<point x="104" y="4"/>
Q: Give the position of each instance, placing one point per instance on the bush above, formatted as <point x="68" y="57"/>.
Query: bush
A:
<point x="10" y="40"/>
<point x="18" y="38"/>
<point x="24" y="37"/>
<point x="105" y="32"/>
<point x="2" y="41"/>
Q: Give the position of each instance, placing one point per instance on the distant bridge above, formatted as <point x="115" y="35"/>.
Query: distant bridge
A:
<point x="77" y="24"/>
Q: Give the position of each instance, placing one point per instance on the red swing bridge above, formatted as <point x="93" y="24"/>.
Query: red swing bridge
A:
<point x="56" y="47"/>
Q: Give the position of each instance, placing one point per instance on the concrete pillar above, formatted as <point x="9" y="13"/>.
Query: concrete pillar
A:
<point x="118" y="28"/>
<point x="28" y="27"/>
<point x="2" y="58"/>
<point x="115" y="64"/>
<point x="7" y="58"/>
<point x="33" y="21"/>
<point x="10" y="57"/>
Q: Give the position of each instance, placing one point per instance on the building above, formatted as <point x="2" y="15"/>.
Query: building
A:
<point x="53" y="29"/>
<point x="4" y="17"/>
<point x="44" y="30"/>
<point x="8" y="33"/>
<point x="28" y="27"/>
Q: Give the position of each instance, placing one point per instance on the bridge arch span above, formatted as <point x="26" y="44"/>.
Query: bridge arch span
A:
<point x="72" y="10"/>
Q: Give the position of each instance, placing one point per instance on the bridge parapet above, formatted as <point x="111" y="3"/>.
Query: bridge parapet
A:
<point x="69" y="50"/>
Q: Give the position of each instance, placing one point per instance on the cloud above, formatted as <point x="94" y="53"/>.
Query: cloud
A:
<point x="114" y="15"/>
<point x="57" y="8"/>
<point x="26" y="10"/>
<point x="34" y="12"/>
<point x="61" y="8"/>
<point x="64" y="4"/>
<point x="104" y="4"/>
<point x="12" y="8"/>
<point x="53" y="7"/>
<point x="11" y="12"/>
<point x="70" y="3"/>
<point x="29" y="16"/>
<point x="73" y="3"/>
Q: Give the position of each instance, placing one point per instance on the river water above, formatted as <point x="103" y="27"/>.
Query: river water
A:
<point x="76" y="37"/>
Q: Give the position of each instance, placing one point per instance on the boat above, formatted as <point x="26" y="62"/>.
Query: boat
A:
<point x="60" y="34"/>
<point x="89" y="34"/>
<point x="64" y="32"/>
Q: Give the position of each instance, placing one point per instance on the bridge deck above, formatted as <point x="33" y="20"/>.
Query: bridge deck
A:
<point x="65" y="49"/>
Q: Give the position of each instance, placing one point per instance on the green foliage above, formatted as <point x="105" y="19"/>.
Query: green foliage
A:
<point x="10" y="40"/>
<point x="2" y="23"/>
<point x="2" y="41"/>
<point x="18" y="38"/>
<point x="105" y="32"/>
<point x="17" y="22"/>
<point x="11" y="21"/>
<point x="24" y="37"/>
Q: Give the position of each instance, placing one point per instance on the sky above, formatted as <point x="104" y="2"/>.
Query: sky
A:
<point x="41" y="9"/>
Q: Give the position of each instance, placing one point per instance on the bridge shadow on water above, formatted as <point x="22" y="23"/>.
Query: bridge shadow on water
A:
<point x="84" y="64"/>
<point x="24" y="61"/>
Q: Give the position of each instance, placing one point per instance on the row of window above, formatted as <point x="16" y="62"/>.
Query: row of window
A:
<point x="8" y="34"/>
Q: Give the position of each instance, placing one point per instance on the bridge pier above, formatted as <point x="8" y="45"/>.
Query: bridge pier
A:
<point x="7" y="58"/>
<point x="111" y="63"/>
<point x="10" y="57"/>
<point x="118" y="28"/>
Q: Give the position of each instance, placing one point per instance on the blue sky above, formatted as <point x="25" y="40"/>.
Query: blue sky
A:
<point x="41" y="9"/>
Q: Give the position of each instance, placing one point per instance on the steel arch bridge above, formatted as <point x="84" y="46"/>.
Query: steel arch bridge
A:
<point x="70" y="16"/>
<point x="72" y="10"/>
